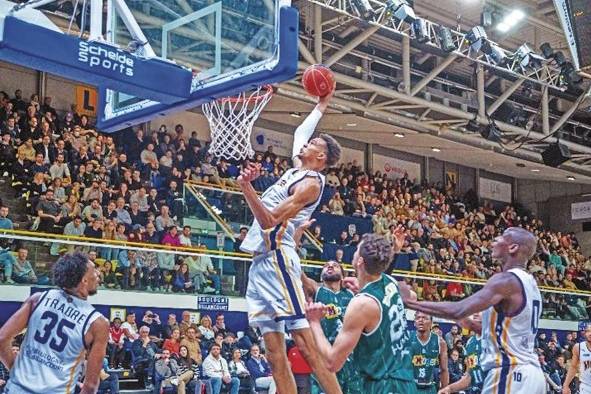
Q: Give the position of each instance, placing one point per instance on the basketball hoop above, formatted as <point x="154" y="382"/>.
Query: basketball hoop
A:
<point x="231" y="120"/>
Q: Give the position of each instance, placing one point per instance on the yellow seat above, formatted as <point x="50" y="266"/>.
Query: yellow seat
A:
<point x="100" y="262"/>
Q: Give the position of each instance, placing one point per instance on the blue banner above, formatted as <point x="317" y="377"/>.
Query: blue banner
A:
<point x="212" y="303"/>
<point x="95" y="63"/>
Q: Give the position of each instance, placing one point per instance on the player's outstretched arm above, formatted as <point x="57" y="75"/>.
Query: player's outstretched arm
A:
<point x="471" y="324"/>
<point x="460" y="385"/>
<point x="572" y="370"/>
<point x="97" y="337"/>
<point x="499" y="287"/>
<point x="14" y="326"/>
<point x="305" y="131"/>
<point x="348" y="337"/>
<point x="304" y="193"/>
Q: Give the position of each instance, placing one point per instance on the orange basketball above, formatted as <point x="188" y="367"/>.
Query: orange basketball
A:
<point x="318" y="80"/>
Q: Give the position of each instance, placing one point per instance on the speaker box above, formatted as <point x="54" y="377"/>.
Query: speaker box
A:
<point x="556" y="154"/>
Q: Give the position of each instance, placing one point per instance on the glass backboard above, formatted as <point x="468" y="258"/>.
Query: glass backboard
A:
<point x="230" y="45"/>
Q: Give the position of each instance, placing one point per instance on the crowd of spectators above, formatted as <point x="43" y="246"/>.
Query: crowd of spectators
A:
<point x="79" y="182"/>
<point x="188" y="354"/>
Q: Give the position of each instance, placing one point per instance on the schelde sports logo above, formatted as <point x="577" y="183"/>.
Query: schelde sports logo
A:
<point x="95" y="55"/>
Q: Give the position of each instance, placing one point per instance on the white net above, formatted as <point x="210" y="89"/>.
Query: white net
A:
<point x="231" y="120"/>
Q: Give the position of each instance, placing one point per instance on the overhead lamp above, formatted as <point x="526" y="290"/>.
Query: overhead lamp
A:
<point x="491" y="132"/>
<point x="420" y="30"/>
<point x="550" y="54"/>
<point x="351" y="124"/>
<point x="569" y="75"/>
<point x="571" y="178"/>
<point x="446" y="40"/>
<point x="434" y="149"/>
<point x="295" y="114"/>
<point x="363" y="9"/>
<point x="475" y="37"/>
<point x="493" y="52"/>
<point x="527" y="59"/>
<point x="473" y="126"/>
<point x="400" y="10"/>
<point x="535" y="170"/>
<point x="510" y="21"/>
<point x="399" y="135"/>
<point x="518" y="117"/>
<point x="556" y="154"/>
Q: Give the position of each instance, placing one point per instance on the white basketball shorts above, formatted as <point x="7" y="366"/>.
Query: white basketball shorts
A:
<point x="275" y="295"/>
<point x="516" y="379"/>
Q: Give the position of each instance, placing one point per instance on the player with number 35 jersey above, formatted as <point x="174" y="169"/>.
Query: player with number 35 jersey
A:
<point x="63" y="330"/>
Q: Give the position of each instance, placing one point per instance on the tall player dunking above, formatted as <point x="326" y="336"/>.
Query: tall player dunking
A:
<point x="581" y="364"/>
<point x="512" y="306"/>
<point x="275" y="294"/>
<point x="63" y="331"/>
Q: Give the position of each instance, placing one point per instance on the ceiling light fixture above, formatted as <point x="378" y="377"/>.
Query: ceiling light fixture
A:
<point x="398" y="135"/>
<point x="510" y="21"/>
<point x="434" y="149"/>
<point x="295" y="114"/>
<point x="570" y="178"/>
<point x="351" y="124"/>
<point x="535" y="170"/>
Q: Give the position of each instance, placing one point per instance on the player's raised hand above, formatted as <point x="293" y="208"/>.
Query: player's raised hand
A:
<point x="315" y="311"/>
<point x="399" y="236"/>
<point x="324" y="101"/>
<point x="406" y="292"/>
<point x="351" y="283"/>
<point x="249" y="173"/>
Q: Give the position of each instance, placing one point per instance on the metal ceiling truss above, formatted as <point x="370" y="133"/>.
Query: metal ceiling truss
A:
<point x="545" y="74"/>
<point x="424" y="101"/>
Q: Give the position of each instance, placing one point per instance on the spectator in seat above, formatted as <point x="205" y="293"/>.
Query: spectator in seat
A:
<point x="164" y="221"/>
<point x="339" y="254"/>
<point x="148" y="157"/>
<point x="21" y="270"/>
<point x="185" y="236"/>
<point x="193" y="344"/>
<point x="173" y="343"/>
<point x="186" y="363"/>
<point x="71" y="208"/>
<point x="186" y="323"/>
<point x="152" y="321"/>
<point x="220" y="325"/>
<point x="182" y="280"/>
<point x="26" y="150"/>
<point x="455" y="367"/>
<point x="129" y="327"/>
<point x="138" y="218"/>
<point x="238" y="370"/>
<point x="215" y="367"/>
<point x="166" y="371"/>
<point x="76" y="228"/>
<point x="49" y="212"/>
<point x="260" y="371"/>
<point x="93" y="211"/>
<point x="5" y="222"/>
<point x="7" y="154"/>
<point x="130" y="266"/>
<point x="204" y="271"/>
<point x="95" y="230"/>
<point x="116" y="348"/>
<point x="171" y="325"/>
<point x="144" y="353"/>
<point x="123" y="216"/>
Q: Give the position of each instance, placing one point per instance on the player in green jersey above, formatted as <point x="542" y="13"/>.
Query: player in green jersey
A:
<point x="374" y="328"/>
<point x="428" y="352"/>
<point x="336" y="297"/>
<point x="472" y="380"/>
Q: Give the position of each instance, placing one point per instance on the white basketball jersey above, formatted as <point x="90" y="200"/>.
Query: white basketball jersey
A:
<point x="509" y="340"/>
<point x="585" y="368"/>
<point x="53" y="350"/>
<point x="260" y="241"/>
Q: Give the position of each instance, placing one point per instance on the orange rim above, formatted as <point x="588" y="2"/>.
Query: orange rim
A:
<point x="265" y="91"/>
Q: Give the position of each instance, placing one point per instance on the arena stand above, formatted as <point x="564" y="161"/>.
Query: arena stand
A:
<point x="139" y="188"/>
